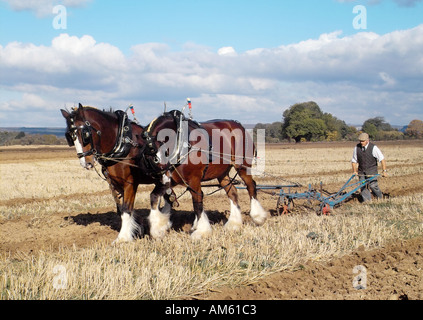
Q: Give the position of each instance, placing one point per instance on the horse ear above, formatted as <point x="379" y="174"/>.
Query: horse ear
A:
<point x="80" y="106"/>
<point x="65" y="114"/>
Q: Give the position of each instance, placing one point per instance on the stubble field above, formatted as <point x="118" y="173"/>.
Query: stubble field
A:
<point x="57" y="223"/>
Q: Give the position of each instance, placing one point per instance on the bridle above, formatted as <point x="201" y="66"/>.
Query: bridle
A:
<point x="120" y="149"/>
<point x="86" y="136"/>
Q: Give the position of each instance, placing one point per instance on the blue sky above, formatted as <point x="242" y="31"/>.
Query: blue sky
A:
<point x="246" y="60"/>
<point x="242" y="24"/>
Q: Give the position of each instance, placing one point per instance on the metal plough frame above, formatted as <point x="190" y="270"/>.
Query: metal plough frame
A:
<point x="327" y="201"/>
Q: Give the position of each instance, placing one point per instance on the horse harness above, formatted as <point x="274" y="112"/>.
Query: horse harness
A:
<point x="150" y="162"/>
<point x="147" y="158"/>
<point x="121" y="148"/>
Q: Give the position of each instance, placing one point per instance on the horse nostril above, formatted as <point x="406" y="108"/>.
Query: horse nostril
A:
<point x="89" y="166"/>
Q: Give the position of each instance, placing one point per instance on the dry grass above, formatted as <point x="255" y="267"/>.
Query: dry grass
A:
<point x="46" y="179"/>
<point x="332" y="165"/>
<point x="177" y="267"/>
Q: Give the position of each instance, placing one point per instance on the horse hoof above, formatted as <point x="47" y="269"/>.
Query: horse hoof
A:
<point x="232" y="226"/>
<point x="197" y="235"/>
<point x="159" y="224"/>
<point x="257" y="213"/>
<point x="159" y="233"/>
<point x="202" y="227"/>
<point x="259" y="220"/>
<point x="121" y="240"/>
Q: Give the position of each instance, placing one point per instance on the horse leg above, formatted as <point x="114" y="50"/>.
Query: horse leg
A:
<point x="235" y="218"/>
<point x="116" y="192"/>
<point x="117" y="196"/>
<point x="159" y="220"/>
<point x="257" y="213"/>
<point x="201" y="226"/>
<point x="130" y="228"/>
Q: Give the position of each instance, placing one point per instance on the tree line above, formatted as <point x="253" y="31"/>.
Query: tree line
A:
<point x="307" y="122"/>
<point x="10" y="138"/>
<point x="301" y="122"/>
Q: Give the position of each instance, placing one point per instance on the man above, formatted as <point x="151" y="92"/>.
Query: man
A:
<point x="364" y="164"/>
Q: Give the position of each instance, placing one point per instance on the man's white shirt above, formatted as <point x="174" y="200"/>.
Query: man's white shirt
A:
<point x="376" y="153"/>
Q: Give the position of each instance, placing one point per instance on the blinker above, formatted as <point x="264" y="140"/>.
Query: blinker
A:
<point x="69" y="139"/>
<point x="86" y="136"/>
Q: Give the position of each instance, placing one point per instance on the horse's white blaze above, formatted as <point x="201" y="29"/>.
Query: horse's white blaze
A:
<point x="78" y="148"/>
<point x="235" y="218"/>
<point x="127" y="231"/>
<point x="257" y="213"/>
<point x="159" y="223"/>
<point x="203" y="229"/>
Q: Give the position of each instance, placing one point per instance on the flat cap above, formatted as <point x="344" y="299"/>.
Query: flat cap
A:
<point x="363" y="137"/>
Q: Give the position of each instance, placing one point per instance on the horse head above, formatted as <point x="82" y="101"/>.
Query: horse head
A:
<point x="91" y="131"/>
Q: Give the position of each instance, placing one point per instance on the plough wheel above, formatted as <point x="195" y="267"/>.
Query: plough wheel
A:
<point x="282" y="206"/>
<point x="325" y="210"/>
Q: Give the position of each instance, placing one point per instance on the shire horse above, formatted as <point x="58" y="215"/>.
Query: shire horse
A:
<point x="107" y="138"/>
<point x="158" y="154"/>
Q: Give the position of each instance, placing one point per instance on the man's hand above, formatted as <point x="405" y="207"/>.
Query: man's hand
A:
<point x="355" y="168"/>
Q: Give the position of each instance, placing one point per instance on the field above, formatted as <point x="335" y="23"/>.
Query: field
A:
<point x="57" y="223"/>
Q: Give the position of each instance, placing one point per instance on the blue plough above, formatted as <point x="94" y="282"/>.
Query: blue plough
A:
<point x="327" y="200"/>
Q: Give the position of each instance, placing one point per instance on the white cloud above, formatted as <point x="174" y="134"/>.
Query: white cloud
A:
<point x="226" y="51"/>
<point x="353" y="77"/>
<point x="387" y="79"/>
<point x="69" y="62"/>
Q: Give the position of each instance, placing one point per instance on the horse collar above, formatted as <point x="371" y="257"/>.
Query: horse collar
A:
<point x="123" y="143"/>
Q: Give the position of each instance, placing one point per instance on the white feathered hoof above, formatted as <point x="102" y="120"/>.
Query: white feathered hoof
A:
<point x="127" y="230"/>
<point x="119" y="240"/>
<point x="203" y="228"/>
<point x="257" y="213"/>
<point x="235" y="219"/>
<point x="159" y="224"/>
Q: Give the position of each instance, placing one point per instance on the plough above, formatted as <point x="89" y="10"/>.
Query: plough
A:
<point x="327" y="201"/>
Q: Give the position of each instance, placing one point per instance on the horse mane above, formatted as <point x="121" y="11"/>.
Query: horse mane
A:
<point x="110" y="110"/>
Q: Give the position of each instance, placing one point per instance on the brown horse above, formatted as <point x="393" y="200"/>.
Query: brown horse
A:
<point x="189" y="153"/>
<point x="131" y="155"/>
<point x="110" y="139"/>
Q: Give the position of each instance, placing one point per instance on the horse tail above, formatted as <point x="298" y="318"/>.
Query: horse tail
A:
<point x="249" y="147"/>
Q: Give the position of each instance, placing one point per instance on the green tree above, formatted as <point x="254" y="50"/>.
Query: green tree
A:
<point x="336" y="129"/>
<point x="274" y="131"/>
<point x="303" y="121"/>
<point x="379" y="129"/>
<point x="20" y="135"/>
<point x="306" y="121"/>
<point x="370" y="129"/>
<point x="390" y="135"/>
<point x="379" y="123"/>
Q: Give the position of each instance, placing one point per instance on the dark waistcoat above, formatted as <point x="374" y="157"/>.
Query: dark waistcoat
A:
<point x="367" y="163"/>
